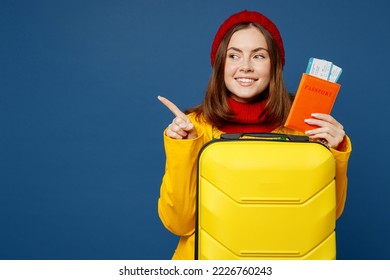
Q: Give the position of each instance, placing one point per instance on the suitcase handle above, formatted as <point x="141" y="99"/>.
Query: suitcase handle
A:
<point x="265" y="136"/>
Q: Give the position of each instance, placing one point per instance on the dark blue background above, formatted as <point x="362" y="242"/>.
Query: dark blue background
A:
<point x="81" y="152"/>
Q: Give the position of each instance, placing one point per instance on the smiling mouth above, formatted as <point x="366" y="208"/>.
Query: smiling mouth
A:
<point x="245" y="81"/>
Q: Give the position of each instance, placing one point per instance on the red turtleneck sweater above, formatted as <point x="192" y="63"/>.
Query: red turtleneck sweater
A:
<point x="247" y="118"/>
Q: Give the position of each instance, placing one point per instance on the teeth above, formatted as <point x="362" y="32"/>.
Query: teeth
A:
<point x="245" y="80"/>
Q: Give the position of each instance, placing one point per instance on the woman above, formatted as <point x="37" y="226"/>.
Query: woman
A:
<point x="246" y="93"/>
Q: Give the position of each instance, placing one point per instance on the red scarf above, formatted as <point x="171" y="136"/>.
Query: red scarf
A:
<point x="247" y="118"/>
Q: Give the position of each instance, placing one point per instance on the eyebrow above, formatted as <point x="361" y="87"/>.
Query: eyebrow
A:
<point x="254" y="50"/>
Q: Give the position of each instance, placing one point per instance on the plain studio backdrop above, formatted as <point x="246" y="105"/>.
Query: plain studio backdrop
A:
<point x="81" y="148"/>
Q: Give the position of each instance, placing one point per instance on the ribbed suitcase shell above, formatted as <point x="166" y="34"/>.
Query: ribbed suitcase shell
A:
<point x="261" y="199"/>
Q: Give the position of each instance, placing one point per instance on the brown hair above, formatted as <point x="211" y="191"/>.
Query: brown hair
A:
<point x="215" y="108"/>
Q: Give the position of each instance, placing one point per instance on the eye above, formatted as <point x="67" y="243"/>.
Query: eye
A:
<point x="233" y="56"/>
<point x="259" y="56"/>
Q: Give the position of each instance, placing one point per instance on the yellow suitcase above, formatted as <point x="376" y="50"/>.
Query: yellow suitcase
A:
<point x="265" y="196"/>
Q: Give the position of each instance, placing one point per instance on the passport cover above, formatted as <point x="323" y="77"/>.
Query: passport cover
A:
<point x="314" y="95"/>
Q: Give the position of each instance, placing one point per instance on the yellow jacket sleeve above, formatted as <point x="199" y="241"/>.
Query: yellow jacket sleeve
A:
<point x="177" y="202"/>
<point x="342" y="156"/>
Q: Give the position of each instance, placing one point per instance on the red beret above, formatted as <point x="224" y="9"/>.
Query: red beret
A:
<point x="247" y="16"/>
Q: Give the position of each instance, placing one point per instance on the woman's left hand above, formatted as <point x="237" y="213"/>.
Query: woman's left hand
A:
<point x="329" y="130"/>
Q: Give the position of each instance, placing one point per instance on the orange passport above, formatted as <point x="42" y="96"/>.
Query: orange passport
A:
<point x="314" y="95"/>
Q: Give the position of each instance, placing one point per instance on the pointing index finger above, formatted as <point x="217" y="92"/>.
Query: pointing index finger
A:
<point x="172" y="107"/>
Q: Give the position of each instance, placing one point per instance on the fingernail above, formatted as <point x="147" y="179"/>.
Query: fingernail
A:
<point x="183" y="125"/>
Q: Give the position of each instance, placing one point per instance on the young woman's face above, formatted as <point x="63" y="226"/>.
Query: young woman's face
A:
<point x="248" y="65"/>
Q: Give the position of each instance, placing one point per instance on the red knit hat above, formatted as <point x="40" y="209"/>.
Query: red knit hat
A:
<point x="247" y="16"/>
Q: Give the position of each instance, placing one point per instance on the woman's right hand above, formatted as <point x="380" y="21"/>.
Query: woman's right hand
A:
<point x="181" y="126"/>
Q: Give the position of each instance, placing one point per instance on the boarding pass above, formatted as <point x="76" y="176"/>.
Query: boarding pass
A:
<point x="323" y="69"/>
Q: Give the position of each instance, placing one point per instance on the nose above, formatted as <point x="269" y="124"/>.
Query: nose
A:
<point x="246" y="66"/>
